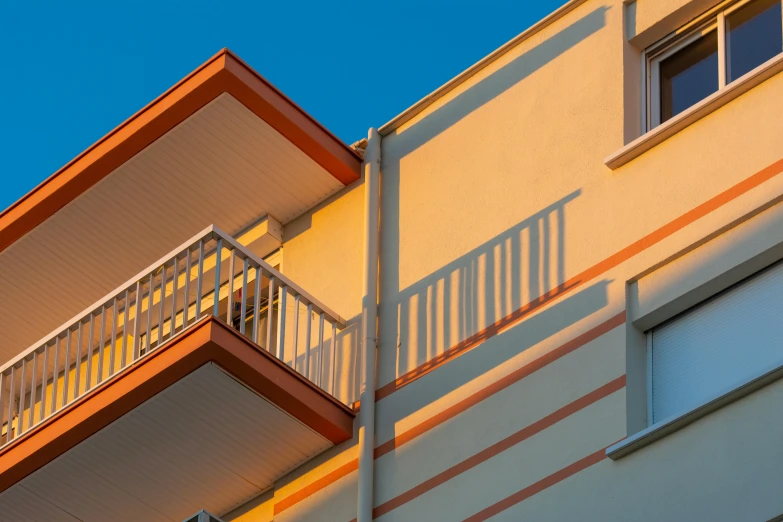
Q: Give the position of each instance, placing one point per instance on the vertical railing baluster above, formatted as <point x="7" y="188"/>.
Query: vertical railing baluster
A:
<point x="320" y="376"/>
<point x="308" y="338"/>
<point x="243" y="306"/>
<point x="11" y="407"/>
<point x="199" y="277"/>
<point x="174" y="289"/>
<point x="334" y="358"/>
<point x="33" y="370"/>
<point x="296" y="332"/>
<point x="269" y="314"/>
<point x="126" y="318"/>
<point x="230" y="301"/>
<point x="88" y="370"/>
<point x="101" y="345"/>
<point x="55" y="377"/>
<point x="42" y="409"/>
<point x="161" y="309"/>
<point x="216" y="295"/>
<point x="112" y="349"/>
<point x="257" y="306"/>
<point x="150" y="295"/>
<point x="77" y="368"/>
<point x="186" y="300"/>
<point x="2" y="405"/>
<point x="137" y="324"/>
<point x="22" y="378"/>
<point x="66" y="365"/>
<point x="281" y="311"/>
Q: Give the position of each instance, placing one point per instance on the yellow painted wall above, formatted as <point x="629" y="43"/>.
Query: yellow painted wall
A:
<point x="495" y="201"/>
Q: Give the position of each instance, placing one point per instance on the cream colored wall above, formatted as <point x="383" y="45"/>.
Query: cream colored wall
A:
<point x="507" y="247"/>
<point x="653" y="19"/>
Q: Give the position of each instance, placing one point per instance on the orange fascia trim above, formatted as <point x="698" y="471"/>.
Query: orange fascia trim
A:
<point x="208" y="341"/>
<point x="575" y="282"/>
<point x="224" y="72"/>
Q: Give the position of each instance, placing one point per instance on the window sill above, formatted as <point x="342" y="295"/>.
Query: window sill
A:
<point x="708" y="105"/>
<point x="665" y="427"/>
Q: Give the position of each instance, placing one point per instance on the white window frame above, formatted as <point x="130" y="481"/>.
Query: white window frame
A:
<point x="714" y="19"/>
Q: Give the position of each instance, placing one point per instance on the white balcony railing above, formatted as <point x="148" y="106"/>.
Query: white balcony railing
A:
<point x="156" y="306"/>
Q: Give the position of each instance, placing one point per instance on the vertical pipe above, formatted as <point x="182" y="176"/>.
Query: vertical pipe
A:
<point x="243" y="306"/>
<point x="368" y="342"/>
<point x="199" y="278"/>
<point x="216" y="295"/>
<point x="270" y="314"/>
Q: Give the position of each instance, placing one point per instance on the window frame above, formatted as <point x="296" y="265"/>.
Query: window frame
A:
<point x="712" y="20"/>
<point x="729" y="387"/>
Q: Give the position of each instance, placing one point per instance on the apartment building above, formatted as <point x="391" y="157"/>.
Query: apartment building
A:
<point x="551" y="290"/>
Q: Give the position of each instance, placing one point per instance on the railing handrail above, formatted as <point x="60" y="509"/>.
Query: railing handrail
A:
<point x="206" y="234"/>
<point x="318" y="306"/>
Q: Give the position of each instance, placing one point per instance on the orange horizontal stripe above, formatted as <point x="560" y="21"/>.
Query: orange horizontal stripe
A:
<point x="496" y="387"/>
<point x="459" y="407"/>
<point x="501" y="446"/>
<point x="538" y="487"/>
<point x="596" y="270"/>
<point x="591" y="273"/>
<point x="317" y="486"/>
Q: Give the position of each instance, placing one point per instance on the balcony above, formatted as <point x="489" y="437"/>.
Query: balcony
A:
<point x="197" y="383"/>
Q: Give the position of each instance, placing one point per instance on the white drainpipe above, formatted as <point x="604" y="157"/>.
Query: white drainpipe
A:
<point x="369" y="338"/>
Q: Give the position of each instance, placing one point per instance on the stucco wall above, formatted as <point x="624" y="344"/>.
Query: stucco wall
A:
<point x="506" y="248"/>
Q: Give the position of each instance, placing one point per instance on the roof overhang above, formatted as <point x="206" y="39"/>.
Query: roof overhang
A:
<point x="128" y="413"/>
<point x="223" y="73"/>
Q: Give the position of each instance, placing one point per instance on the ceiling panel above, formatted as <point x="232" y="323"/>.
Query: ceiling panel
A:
<point x="223" y="166"/>
<point x="205" y="442"/>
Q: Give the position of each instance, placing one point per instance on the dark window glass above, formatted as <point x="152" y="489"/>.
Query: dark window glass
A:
<point x="754" y="34"/>
<point x="689" y="75"/>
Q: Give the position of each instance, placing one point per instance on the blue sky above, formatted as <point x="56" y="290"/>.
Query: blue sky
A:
<point x="74" y="70"/>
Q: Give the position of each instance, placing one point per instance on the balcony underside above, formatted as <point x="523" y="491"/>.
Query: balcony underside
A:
<point x="207" y="421"/>
<point x="222" y="161"/>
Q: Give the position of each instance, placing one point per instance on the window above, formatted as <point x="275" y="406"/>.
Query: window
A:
<point x="712" y="52"/>
<point x="717" y="346"/>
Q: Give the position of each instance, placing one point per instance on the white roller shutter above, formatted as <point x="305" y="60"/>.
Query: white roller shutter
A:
<point x="718" y="345"/>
